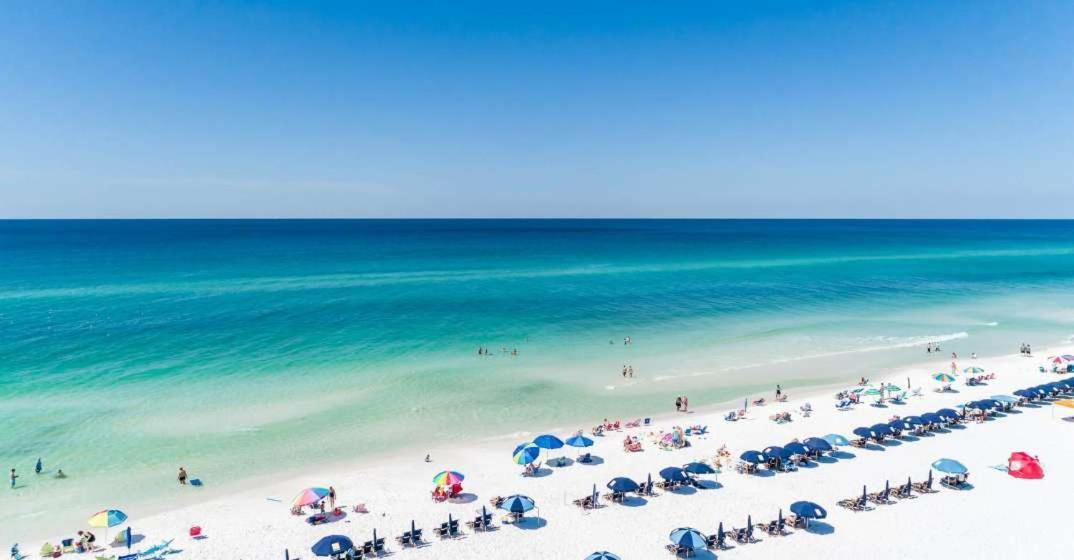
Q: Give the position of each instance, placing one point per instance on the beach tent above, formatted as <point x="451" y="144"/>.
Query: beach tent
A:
<point x="332" y="545"/>
<point x="686" y="537"/>
<point x="1022" y="465"/>
<point x="602" y="555"/>
<point x="622" y="484"/>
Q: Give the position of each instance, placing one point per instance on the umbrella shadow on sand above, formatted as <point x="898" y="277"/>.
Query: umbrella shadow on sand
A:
<point x="634" y="501"/>
<point x="464" y="498"/>
<point x="531" y="523"/>
<point x="593" y="460"/>
<point x="135" y="539"/>
<point x="709" y="485"/>
<point x="820" y="528"/>
<point x="842" y="455"/>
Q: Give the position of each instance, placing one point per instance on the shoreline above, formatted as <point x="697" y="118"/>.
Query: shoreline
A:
<point x="251" y="494"/>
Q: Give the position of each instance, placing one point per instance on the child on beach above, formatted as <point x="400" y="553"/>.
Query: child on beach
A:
<point x="13" y="477"/>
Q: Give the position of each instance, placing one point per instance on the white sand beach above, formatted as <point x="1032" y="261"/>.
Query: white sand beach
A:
<point x="999" y="517"/>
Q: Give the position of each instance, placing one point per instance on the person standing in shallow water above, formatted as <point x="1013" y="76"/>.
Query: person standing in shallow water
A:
<point x="13" y="476"/>
<point x="182" y="476"/>
<point x="678" y="407"/>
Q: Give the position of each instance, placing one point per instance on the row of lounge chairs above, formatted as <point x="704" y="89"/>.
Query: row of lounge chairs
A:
<point x="888" y="495"/>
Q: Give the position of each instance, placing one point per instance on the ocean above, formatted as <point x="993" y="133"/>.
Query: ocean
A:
<point x="245" y="348"/>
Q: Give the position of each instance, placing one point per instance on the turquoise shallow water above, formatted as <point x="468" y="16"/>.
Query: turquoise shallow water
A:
<point x="237" y="348"/>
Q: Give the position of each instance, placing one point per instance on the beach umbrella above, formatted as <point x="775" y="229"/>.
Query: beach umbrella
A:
<point x="548" y="441"/>
<point x="863" y="432"/>
<point x="949" y="466"/>
<point x="973" y="369"/>
<point x="517" y="504"/>
<point x="332" y="545"/>
<point x="622" y="484"/>
<point x="448" y="478"/>
<point x="912" y="420"/>
<point x="579" y="441"/>
<point x="602" y="555"/>
<point x="836" y="439"/>
<point x="774" y="452"/>
<point x="946" y="413"/>
<point x="892" y="388"/>
<point x="754" y="457"/>
<point x="525" y="454"/>
<point x="698" y="468"/>
<point x="687" y="538"/>
<point x="881" y="429"/>
<point x="796" y="448"/>
<point x="309" y="496"/>
<point x="817" y="444"/>
<point x="673" y="474"/>
<point x="932" y="418"/>
<point x="944" y="377"/>
<point x="107" y="518"/>
<point x="871" y="392"/>
<point x="808" y="510"/>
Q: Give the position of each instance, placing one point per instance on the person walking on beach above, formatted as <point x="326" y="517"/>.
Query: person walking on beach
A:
<point x="779" y="391"/>
<point x="624" y="370"/>
<point x="182" y="476"/>
<point x="332" y="497"/>
<point x="37" y="466"/>
<point x="678" y="407"/>
<point x="13" y="476"/>
<point x="630" y="371"/>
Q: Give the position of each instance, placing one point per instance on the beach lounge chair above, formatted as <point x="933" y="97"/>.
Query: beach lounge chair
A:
<point x="678" y="550"/>
<point x="404" y="540"/>
<point x="881" y="498"/>
<point x="853" y="504"/>
<point x="844" y="404"/>
<point x="793" y="521"/>
<point x="378" y="545"/>
<point x="741" y="536"/>
<point x="904" y="491"/>
<point x="924" y="487"/>
<point x="585" y="458"/>
<point x="442" y="530"/>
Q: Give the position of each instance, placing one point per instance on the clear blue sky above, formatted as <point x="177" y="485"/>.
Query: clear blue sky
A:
<point x="651" y="109"/>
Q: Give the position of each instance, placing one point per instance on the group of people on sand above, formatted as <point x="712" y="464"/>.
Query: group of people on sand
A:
<point x="628" y="371"/>
<point x="1026" y="350"/>
<point x="932" y="347"/>
<point x="682" y="404"/>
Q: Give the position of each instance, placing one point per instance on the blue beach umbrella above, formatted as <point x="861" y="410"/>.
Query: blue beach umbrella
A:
<point x="863" y="432"/>
<point x="331" y="545"/>
<point x="912" y="421"/>
<point x="775" y="452"/>
<point x="881" y="429"/>
<point x="548" y="441"/>
<point x="602" y="555"/>
<point x="622" y="484"/>
<point x="817" y="444"/>
<point x="517" y="504"/>
<point x="526" y="453"/>
<point x="796" y="448"/>
<point x="687" y="538"/>
<point x="836" y="439"/>
<point x="754" y="457"/>
<point x="946" y="413"/>
<point x="949" y="466"/>
<point x="579" y="441"/>
<point x="698" y="468"/>
<point x="808" y="510"/>
<point x="673" y="474"/>
<point x="932" y="418"/>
